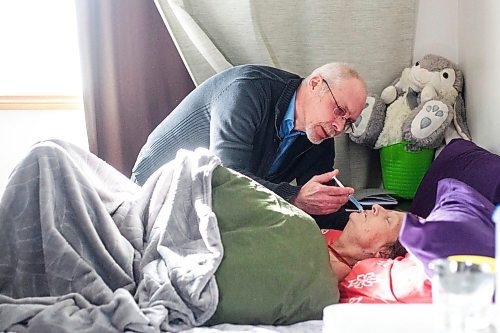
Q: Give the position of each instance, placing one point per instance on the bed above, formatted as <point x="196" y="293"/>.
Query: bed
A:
<point x="83" y="248"/>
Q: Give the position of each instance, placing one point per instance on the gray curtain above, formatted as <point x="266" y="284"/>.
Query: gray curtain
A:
<point x="133" y="76"/>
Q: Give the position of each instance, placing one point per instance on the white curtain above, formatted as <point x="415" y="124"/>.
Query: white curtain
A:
<point x="376" y="37"/>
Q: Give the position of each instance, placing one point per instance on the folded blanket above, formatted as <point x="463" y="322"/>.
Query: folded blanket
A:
<point x="85" y="249"/>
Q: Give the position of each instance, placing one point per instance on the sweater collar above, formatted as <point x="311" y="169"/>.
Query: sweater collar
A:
<point x="284" y="101"/>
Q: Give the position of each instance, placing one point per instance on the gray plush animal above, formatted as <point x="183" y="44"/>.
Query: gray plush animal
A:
<point x="370" y="123"/>
<point x="422" y="106"/>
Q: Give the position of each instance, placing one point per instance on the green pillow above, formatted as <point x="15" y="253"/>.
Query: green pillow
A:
<point x="275" y="268"/>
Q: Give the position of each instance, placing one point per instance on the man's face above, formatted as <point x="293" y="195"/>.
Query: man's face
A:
<point x="371" y="229"/>
<point x="333" y="108"/>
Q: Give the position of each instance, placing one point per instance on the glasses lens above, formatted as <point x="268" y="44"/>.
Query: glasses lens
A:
<point x="340" y="112"/>
<point x="348" y="126"/>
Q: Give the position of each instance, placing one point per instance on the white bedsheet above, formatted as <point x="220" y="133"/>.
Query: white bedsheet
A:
<point x="311" y="326"/>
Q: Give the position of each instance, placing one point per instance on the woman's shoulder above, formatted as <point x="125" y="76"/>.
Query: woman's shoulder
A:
<point x="331" y="235"/>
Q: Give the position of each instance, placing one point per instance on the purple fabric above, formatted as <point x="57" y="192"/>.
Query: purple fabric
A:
<point x="460" y="223"/>
<point x="465" y="161"/>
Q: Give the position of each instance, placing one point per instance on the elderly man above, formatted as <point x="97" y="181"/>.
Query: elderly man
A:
<point x="268" y="124"/>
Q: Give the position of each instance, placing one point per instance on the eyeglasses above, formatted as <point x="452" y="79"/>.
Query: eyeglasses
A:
<point x="341" y="112"/>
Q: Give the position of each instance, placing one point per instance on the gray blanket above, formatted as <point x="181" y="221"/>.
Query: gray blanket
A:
<point x="83" y="249"/>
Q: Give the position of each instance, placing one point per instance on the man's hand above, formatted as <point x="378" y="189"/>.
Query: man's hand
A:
<point x="318" y="199"/>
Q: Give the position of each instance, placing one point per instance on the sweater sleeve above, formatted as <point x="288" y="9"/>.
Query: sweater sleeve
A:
<point x="237" y="116"/>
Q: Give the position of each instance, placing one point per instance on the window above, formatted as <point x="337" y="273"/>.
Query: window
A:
<point x="40" y="77"/>
<point x="40" y="48"/>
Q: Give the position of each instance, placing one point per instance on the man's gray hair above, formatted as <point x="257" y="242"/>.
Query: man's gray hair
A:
<point x="336" y="72"/>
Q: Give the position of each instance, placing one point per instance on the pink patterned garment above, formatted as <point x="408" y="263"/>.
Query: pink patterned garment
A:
<point x="376" y="280"/>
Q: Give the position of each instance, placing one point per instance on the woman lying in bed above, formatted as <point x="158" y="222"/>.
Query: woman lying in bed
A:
<point x="372" y="233"/>
<point x="459" y="224"/>
<point x="450" y="214"/>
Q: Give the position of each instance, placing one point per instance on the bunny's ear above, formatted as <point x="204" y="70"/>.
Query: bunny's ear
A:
<point x="460" y="119"/>
<point x="370" y="123"/>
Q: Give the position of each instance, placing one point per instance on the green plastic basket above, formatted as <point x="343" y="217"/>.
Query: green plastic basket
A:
<point x="402" y="170"/>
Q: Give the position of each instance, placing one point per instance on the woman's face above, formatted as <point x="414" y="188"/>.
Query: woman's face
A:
<point x="371" y="229"/>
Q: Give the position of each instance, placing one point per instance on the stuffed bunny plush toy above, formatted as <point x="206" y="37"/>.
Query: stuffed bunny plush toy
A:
<point x="423" y="106"/>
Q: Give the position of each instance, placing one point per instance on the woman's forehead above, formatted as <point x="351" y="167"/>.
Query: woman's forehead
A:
<point x="399" y="215"/>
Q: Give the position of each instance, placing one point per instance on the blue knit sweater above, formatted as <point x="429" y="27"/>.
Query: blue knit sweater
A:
<point x="237" y="114"/>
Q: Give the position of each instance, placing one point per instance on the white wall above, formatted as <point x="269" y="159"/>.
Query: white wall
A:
<point x="467" y="32"/>
<point x="20" y="129"/>
<point x="479" y="57"/>
<point x="437" y="29"/>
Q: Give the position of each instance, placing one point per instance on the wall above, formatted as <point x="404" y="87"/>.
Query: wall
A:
<point x="437" y="29"/>
<point x="479" y="56"/>
<point x="20" y="129"/>
<point x="466" y="32"/>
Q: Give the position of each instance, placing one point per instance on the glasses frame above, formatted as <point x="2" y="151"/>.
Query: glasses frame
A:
<point x="341" y="112"/>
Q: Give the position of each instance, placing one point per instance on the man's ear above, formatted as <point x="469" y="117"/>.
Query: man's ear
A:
<point x="315" y="82"/>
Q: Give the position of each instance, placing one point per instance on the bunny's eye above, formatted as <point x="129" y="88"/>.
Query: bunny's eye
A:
<point x="417" y="63"/>
<point x="445" y="75"/>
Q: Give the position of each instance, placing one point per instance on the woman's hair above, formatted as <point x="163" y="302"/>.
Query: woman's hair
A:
<point x="395" y="250"/>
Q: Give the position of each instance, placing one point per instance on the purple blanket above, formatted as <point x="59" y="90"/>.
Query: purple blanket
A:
<point x="465" y="161"/>
<point x="452" y="209"/>
<point x="460" y="223"/>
